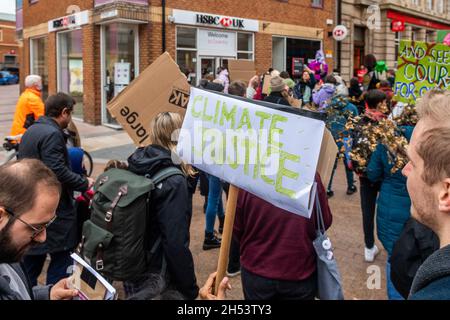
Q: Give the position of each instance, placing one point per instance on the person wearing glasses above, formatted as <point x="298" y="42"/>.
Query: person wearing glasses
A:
<point x="24" y="220"/>
<point x="45" y="141"/>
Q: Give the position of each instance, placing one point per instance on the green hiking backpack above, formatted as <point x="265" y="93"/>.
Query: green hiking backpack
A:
<point x="114" y="240"/>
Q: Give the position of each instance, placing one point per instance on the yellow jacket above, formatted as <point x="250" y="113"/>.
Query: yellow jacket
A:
<point x="29" y="107"/>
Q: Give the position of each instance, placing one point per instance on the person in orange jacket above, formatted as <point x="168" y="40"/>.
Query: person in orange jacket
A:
<point x="29" y="106"/>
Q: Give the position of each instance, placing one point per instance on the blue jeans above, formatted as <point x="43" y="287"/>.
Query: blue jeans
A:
<point x="392" y="293"/>
<point x="348" y="175"/>
<point x="215" y="205"/>
<point x="57" y="269"/>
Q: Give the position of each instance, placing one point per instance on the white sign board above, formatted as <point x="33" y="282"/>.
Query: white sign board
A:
<point x="214" y="20"/>
<point x="212" y="42"/>
<point x="71" y="21"/>
<point x="340" y="32"/>
<point x="267" y="152"/>
<point x="122" y="73"/>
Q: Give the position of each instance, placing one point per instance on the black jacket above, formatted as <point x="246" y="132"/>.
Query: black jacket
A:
<point x="415" y="244"/>
<point x="277" y="98"/>
<point x="36" y="293"/>
<point x="300" y="87"/>
<point x="432" y="281"/>
<point x="45" y="141"/>
<point x="170" y="219"/>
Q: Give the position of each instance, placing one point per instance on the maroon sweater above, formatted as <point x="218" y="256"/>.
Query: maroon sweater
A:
<point x="275" y="243"/>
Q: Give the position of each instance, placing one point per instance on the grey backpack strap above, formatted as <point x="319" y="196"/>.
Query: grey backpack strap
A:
<point x="165" y="173"/>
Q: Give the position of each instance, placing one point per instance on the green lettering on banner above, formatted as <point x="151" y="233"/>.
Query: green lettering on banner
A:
<point x="245" y="119"/>
<point x="196" y="114"/>
<point x="263" y="117"/>
<point x="233" y="163"/>
<point x="273" y="130"/>
<point x="228" y="116"/>
<point x="283" y="172"/>
<point x="205" y="116"/>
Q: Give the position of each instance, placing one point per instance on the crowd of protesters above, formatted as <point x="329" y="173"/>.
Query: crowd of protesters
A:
<point x="271" y="249"/>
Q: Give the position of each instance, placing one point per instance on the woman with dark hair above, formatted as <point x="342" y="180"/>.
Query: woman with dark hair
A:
<point x="304" y="88"/>
<point x="356" y="95"/>
<point x="369" y="80"/>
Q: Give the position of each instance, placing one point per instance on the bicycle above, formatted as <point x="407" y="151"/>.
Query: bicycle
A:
<point x="11" y="145"/>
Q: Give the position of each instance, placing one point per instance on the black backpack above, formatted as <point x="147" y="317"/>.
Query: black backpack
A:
<point x="114" y="240"/>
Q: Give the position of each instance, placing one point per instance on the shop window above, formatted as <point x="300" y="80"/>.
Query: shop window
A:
<point x="39" y="63"/>
<point x="284" y="49"/>
<point x="9" y="59"/>
<point x="70" y="71"/>
<point x="317" y="3"/>
<point x="186" y="56"/>
<point x="245" y="46"/>
<point x="187" y="38"/>
<point x="119" y="62"/>
<point x="278" y="53"/>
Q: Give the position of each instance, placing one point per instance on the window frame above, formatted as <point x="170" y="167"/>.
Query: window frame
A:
<point x="317" y="6"/>
<point x="251" y="52"/>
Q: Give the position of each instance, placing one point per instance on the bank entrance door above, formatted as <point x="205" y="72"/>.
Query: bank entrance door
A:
<point x="209" y="65"/>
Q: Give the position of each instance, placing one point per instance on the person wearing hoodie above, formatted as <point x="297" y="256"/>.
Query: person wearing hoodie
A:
<point x="341" y="86"/>
<point x="170" y="217"/>
<point x="304" y="88"/>
<point x="324" y="94"/>
<point x="222" y="74"/>
<point x="393" y="203"/>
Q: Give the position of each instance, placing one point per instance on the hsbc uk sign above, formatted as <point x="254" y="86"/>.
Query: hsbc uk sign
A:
<point x="212" y="20"/>
<point x="226" y="22"/>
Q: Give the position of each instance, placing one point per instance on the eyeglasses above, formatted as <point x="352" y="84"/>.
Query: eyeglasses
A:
<point x="37" y="230"/>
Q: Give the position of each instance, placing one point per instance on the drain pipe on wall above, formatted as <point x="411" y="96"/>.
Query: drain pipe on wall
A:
<point x="163" y="4"/>
<point x="339" y="43"/>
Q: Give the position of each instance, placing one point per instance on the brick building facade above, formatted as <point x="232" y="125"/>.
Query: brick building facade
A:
<point x="94" y="48"/>
<point x="369" y="23"/>
<point x="9" y="47"/>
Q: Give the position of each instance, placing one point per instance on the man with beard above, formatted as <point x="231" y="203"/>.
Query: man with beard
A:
<point x="45" y="140"/>
<point x="428" y="174"/>
<point x="29" y="195"/>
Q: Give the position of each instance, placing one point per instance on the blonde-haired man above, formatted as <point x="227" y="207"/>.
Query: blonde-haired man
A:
<point x="428" y="174"/>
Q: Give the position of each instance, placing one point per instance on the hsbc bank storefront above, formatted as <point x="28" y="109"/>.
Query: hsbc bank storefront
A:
<point x="207" y="41"/>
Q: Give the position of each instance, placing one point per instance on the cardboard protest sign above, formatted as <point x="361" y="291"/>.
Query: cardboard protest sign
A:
<point x="421" y="67"/>
<point x="161" y="87"/>
<point x="241" y="70"/>
<point x="266" y="151"/>
<point x="266" y="84"/>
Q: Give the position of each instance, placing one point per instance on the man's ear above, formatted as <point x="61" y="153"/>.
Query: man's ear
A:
<point x="444" y="196"/>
